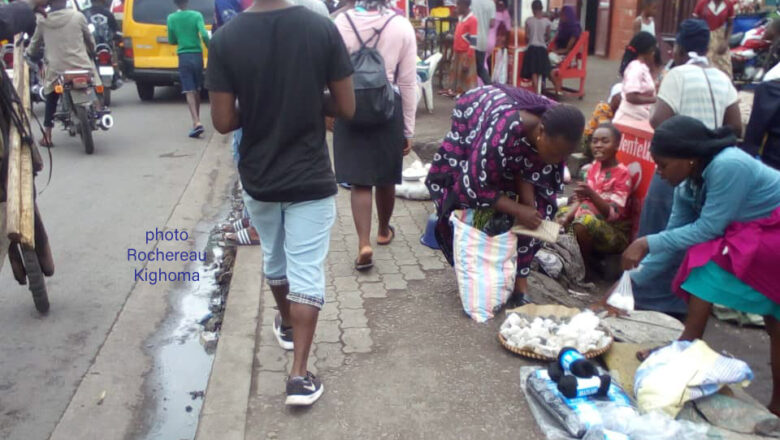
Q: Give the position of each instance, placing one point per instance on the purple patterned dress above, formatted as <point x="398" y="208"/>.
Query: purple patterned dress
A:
<point x="483" y="154"/>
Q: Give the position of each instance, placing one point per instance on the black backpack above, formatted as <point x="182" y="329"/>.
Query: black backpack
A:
<point x="374" y="95"/>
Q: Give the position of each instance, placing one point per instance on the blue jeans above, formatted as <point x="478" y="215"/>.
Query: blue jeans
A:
<point x="295" y="238"/>
<point x="237" y="135"/>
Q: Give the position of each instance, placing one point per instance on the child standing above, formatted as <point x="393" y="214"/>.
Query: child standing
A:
<point x="598" y="213"/>
<point x="638" y="94"/>
<point x="645" y="22"/>
<point x="536" y="62"/>
<point x="463" y="74"/>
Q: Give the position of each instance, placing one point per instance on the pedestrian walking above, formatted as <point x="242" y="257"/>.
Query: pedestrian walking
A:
<point x="187" y="30"/>
<point x="283" y="163"/>
<point x="372" y="157"/>
<point x="485" y="11"/>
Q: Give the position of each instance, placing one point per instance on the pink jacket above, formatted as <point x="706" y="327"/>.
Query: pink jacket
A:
<point x="398" y="46"/>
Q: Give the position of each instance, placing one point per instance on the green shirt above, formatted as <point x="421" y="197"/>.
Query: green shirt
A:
<point x="185" y="29"/>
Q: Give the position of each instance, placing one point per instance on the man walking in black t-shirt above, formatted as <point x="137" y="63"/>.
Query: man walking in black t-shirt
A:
<point x="274" y="63"/>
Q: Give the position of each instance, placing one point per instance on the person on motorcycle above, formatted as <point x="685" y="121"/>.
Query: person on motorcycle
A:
<point x="100" y="15"/>
<point x="106" y="29"/>
<point x="66" y="41"/>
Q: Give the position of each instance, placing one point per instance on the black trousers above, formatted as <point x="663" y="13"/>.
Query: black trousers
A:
<point x="51" y="108"/>
<point x="482" y="69"/>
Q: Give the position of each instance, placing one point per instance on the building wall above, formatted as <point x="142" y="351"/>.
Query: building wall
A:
<point x="623" y="16"/>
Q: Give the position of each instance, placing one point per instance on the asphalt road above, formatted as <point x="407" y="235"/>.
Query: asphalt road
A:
<point x="95" y="208"/>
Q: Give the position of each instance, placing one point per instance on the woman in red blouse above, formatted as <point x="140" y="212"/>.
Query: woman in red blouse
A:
<point x="719" y="15"/>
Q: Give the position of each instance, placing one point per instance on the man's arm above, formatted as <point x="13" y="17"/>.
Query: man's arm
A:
<point x="661" y="113"/>
<point x="172" y="32"/>
<point x="340" y="102"/>
<point x="733" y="118"/>
<point x="204" y="34"/>
<point x="224" y="112"/>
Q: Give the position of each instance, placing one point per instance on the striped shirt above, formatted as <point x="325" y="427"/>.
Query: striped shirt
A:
<point x="686" y="90"/>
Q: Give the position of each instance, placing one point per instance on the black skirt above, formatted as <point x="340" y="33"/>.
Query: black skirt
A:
<point x="536" y="61"/>
<point x="370" y="156"/>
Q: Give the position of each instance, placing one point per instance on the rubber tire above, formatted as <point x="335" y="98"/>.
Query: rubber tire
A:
<point x="85" y="130"/>
<point x="36" y="281"/>
<point x="145" y="91"/>
<point x="107" y="97"/>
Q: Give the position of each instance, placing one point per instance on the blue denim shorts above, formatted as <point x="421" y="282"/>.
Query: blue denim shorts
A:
<point x="295" y="238"/>
<point x="191" y="71"/>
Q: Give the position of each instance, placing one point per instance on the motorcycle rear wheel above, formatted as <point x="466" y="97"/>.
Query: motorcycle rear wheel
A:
<point x="107" y="97"/>
<point x="85" y="130"/>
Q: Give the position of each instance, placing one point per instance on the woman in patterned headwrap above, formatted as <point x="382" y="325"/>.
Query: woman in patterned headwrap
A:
<point x="504" y="143"/>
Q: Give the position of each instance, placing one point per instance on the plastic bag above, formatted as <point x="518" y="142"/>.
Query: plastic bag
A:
<point x="623" y="296"/>
<point x="484" y="267"/>
<point x="500" y="67"/>
<point x="684" y="371"/>
<point x="651" y="426"/>
<point x="413" y="190"/>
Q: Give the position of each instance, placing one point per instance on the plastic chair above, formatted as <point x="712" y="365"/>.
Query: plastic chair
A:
<point x="426" y="87"/>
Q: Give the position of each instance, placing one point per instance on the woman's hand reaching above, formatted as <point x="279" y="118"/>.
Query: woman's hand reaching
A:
<point x="528" y="217"/>
<point x="635" y="253"/>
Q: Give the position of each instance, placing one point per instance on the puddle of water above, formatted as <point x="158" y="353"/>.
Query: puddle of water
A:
<point x="182" y="365"/>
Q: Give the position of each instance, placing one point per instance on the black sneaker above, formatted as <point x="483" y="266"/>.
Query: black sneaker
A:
<point x="516" y="300"/>
<point x="303" y="391"/>
<point x="284" y="335"/>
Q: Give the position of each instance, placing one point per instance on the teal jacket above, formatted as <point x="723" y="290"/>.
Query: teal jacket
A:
<point x="736" y="188"/>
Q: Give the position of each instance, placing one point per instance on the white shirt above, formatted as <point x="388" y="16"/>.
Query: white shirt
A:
<point x="484" y="10"/>
<point x="685" y="89"/>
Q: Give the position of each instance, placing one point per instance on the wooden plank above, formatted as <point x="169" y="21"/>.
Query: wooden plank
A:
<point x="27" y="191"/>
<point x="13" y="185"/>
<point x="27" y="220"/>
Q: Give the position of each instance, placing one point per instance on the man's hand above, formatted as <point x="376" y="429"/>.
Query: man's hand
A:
<point x="408" y="146"/>
<point x="635" y="253"/>
<point x="528" y="217"/>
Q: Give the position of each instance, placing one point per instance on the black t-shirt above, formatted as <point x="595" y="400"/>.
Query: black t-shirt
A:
<point x="278" y="64"/>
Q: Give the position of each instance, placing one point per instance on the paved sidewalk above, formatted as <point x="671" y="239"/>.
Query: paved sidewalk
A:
<point x="398" y="357"/>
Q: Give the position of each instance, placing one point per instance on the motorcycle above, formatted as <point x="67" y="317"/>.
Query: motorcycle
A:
<point x="749" y="55"/>
<point x="76" y="110"/>
<point x="36" y="83"/>
<point x="104" y="56"/>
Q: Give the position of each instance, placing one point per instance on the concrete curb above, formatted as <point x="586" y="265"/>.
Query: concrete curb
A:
<point x="227" y="396"/>
<point x="123" y="362"/>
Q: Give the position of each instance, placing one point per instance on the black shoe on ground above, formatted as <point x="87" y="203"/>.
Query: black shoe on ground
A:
<point x="517" y="300"/>
<point x="303" y="391"/>
<point x="284" y="335"/>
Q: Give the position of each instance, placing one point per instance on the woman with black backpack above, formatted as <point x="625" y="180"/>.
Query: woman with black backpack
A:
<point x="369" y="150"/>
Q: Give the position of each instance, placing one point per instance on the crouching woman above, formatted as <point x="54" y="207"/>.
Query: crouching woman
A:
<point x="725" y="220"/>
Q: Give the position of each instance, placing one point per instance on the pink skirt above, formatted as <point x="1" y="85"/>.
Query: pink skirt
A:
<point x="748" y="250"/>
